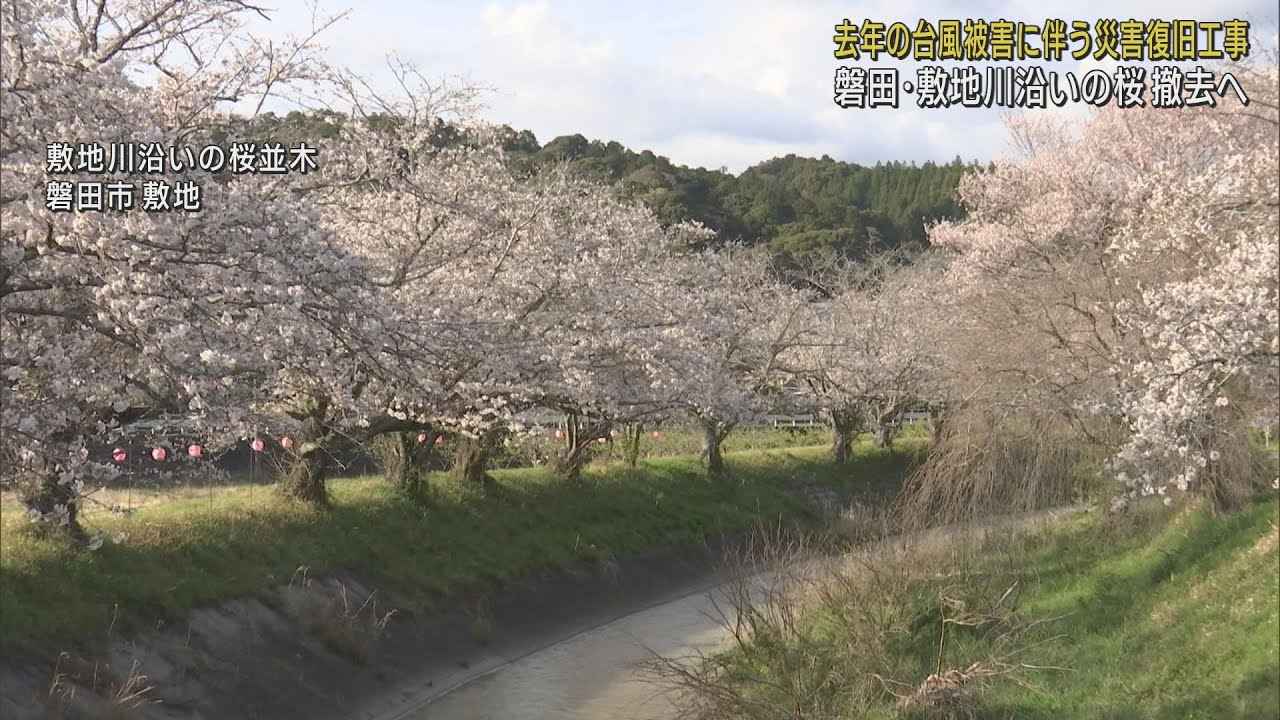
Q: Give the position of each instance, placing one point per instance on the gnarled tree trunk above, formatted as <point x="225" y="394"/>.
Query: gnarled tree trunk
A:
<point x="844" y="431"/>
<point x="937" y="426"/>
<point x="713" y="434"/>
<point x="471" y="459"/>
<point x="580" y="433"/>
<point x="308" y="469"/>
<point x="306" y="477"/>
<point x="46" y="494"/>
<point x="886" y="426"/>
<point x="885" y="432"/>
<point x="406" y="461"/>
<point x="568" y="463"/>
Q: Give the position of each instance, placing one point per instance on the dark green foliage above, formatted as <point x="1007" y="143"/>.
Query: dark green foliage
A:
<point x="800" y="207"/>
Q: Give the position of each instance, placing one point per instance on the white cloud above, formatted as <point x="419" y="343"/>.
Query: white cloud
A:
<point x="706" y="84"/>
<point x="539" y="38"/>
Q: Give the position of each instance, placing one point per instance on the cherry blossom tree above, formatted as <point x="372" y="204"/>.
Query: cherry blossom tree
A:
<point x="720" y="357"/>
<point x="1123" y="274"/>
<point x="186" y="319"/>
<point x="869" y="354"/>
<point x="508" y="292"/>
<point x="515" y="292"/>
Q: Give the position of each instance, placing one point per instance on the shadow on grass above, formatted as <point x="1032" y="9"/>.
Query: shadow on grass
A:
<point x="1119" y="583"/>
<point x="1218" y="705"/>
<point x="188" y="553"/>
<point x="1130" y="658"/>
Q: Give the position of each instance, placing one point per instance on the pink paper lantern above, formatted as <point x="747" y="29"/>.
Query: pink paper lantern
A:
<point x="286" y="442"/>
<point x="159" y="454"/>
<point x="439" y="439"/>
<point x="195" y="451"/>
<point x="119" y="455"/>
<point x="422" y="438"/>
<point x="559" y="435"/>
<point x="656" y="434"/>
<point x="257" y="445"/>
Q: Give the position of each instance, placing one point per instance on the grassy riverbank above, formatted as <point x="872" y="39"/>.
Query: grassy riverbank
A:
<point x="190" y="550"/>
<point x="1160" y="614"/>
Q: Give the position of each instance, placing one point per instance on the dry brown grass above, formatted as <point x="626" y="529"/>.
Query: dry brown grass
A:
<point x="105" y="693"/>
<point x="986" y="464"/>
<point x="347" y="621"/>
<point x="820" y="636"/>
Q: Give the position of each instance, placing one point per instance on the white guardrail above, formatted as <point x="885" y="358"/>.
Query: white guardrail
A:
<point x="551" y="419"/>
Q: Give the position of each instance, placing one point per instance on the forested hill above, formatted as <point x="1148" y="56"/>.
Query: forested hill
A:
<point x="796" y="205"/>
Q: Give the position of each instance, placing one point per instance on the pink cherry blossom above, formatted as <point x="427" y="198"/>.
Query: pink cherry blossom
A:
<point x="1123" y="274"/>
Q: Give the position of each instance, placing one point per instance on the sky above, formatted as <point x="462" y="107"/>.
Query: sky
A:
<point x="711" y="84"/>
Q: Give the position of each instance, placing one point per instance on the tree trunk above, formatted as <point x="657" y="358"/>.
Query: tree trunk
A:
<point x="305" y="478"/>
<point x="885" y="432"/>
<point x="1225" y="493"/>
<point x="47" y="494"/>
<point x="631" y="446"/>
<point x="844" y="431"/>
<point x="568" y="464"/>
<point x="937" y="423"/>
<point x="395" y="454"/>
<point x="308" y="470"/>
<point x="405" y="461"/>
<point x="713" y="435"/>
<point x="471" y="460"/>
<point x="579" y="435"/>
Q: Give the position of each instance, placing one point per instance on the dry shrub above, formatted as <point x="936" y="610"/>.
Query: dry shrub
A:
<point x="984" y="464"/>
<point x="107" y="694"/>
<point x="1240" y="469"/>
<point x="813" y="636"/>
<point x="760" y="607"/>
<point x="337" y="616"/>
<point x="863" y="522"/>
<point x="954" y="689"/>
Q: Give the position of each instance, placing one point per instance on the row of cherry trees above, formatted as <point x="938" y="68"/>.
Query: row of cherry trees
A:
<point x="187" y="319"/>
<point x="405" y="287"/>
<point x="411" y="286"/>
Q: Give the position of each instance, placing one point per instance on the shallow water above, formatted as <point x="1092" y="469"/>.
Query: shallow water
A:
<point x="590" y="676"/>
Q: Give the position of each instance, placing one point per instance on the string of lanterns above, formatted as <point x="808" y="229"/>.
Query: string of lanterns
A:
<point x="196" y="451"/>
<point x="559" y="435"/>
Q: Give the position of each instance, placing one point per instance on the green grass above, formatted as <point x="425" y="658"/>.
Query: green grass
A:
<point x="670" y="440"/>
<point x="1158" y="615"/>
<point x="189" y="550"/>
<point x="1180" y="620"/>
